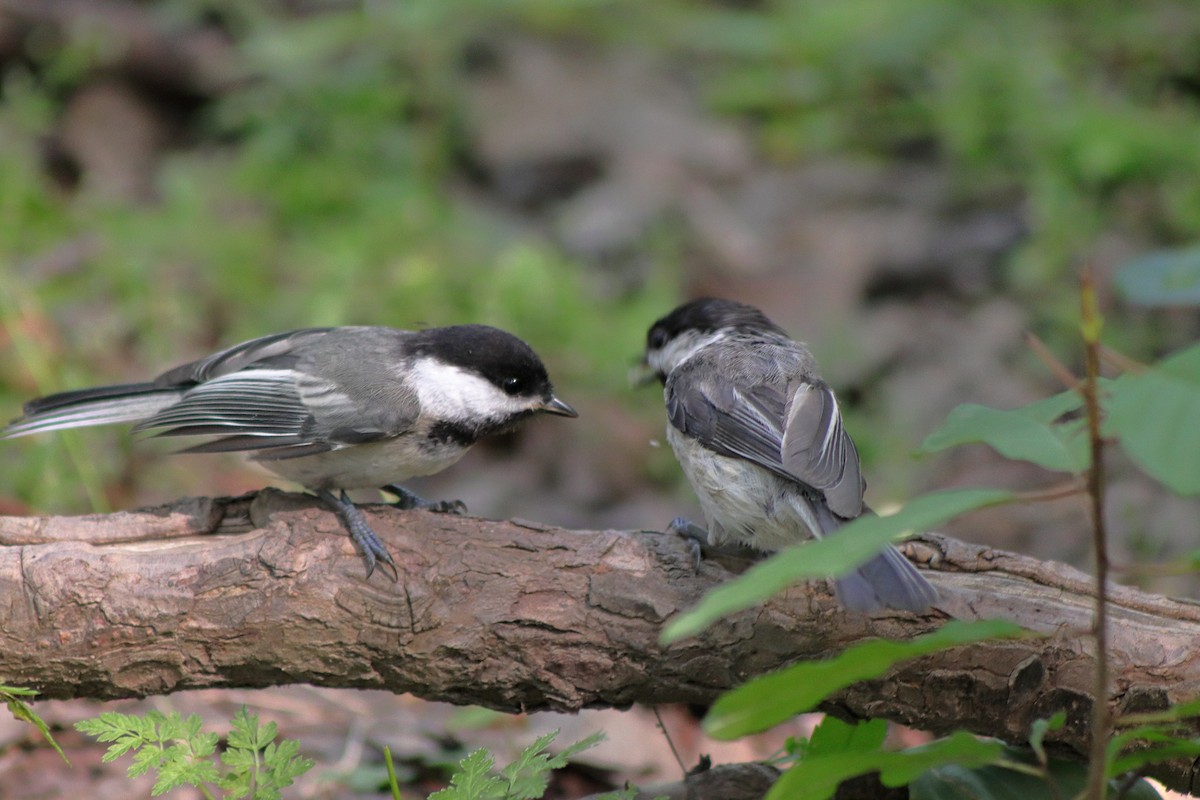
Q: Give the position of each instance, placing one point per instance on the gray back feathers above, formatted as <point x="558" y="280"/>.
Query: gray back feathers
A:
<point x="757" y="397"/>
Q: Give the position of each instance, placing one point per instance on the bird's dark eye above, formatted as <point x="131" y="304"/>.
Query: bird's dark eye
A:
<point x="658" y="338"/>
<point x="512" y="386"/>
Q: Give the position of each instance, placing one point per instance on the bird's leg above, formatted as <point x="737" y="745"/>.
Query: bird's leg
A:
<point x="409" y="500"/>
<point x="360" y="531"/>
<point x="697" y="539"/>
<point x="691" y="533"/>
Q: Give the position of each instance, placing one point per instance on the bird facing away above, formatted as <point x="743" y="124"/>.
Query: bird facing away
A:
<point x="332" y="408"/>
<point x="759" y="436"/>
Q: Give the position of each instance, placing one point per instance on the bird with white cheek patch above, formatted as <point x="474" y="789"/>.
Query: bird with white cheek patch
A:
<point x="759" y="436"/>
<point x="332" y="408"/>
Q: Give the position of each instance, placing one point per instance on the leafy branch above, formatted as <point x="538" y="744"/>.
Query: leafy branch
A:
<point x="182" y="754"/>
<point x="526" y="778"/>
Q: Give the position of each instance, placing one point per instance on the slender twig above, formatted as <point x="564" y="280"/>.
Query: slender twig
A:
<point x="662" y="726"/>
<point x="1091" y="326"/>
<point x="1057" y="492"/>
<point x="1060" y="370"/>
<point x="1115" y="358"/>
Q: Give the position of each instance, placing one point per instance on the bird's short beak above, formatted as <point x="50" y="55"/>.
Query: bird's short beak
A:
<point x="556" y="406"/>
<point x="640" y="374"/>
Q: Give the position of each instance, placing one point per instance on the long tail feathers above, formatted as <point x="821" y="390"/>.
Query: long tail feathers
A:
<point x="104" y="405"/>
<point x="886" y="581"/>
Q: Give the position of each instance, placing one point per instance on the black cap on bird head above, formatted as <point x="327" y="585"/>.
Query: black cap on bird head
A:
<point x="708" y="314"/>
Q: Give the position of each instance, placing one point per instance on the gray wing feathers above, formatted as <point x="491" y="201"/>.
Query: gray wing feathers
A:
<point x="728" y="421"/>
<point x="263" y="403"/>
<point x="241" y="356"/>
<point x="817" y="450"/>
<point x="285" y="413"/>
<point x="803" y="441"/>
<point x="254" y="409"/>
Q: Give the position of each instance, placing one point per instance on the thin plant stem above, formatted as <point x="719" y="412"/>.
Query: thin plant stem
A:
<point x="1057" y="492"/>
<point x="1039" y="348"/>
<point x="663" y="727"/>
<point x="1091" y="326"/>
<point x="1121" y="361"/>
<point x="393" y="783"/>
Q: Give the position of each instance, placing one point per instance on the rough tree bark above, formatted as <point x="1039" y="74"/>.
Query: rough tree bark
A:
<point x="267" y="589"/>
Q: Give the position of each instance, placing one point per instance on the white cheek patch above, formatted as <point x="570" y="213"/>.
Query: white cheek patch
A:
<point x="449" y="392"/>
<point x="681" y="348"/>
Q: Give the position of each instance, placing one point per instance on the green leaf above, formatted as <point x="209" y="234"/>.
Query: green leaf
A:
<point x="767" y="701"/>
<point x="179" y="767"/>
<point x="237" y="783"/>
<point x="204" y="744"/>
<point x="1040" y="728"/>
<point x="255" y="760"/>
<point x="109" y="726"/>
<point x="1156" y="415"/>
<point x="834" y="736"/>
<point x="286" y="764"/>
<point x="1170" y="714"/>
<point x="855" y="544"/>
<point x="1148" y="744"/>
<point x="529" y="775"/>
<point x="1023" y="434"/>
<point x="569" y="752"/>
<point x="173" y="727"/>
<point x="238" y="758"/>
<point x="146" y="759"/>
<point x="471" y="780"/>
<point x="23" y="713"/>
<point x="532" y="755"/>
<point x="127" y="731"/>
<point x="188" y="759"/>
<point x="1162" y="278"/>
<point x="245" y="732"/>
<point x="818" y="778"/>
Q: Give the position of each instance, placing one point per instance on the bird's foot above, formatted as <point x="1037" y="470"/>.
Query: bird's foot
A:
<point x="360" y="531"/>
<point x="408" y="500"/>
<point x="700" y="546"/>
<point x="693" y="535"/>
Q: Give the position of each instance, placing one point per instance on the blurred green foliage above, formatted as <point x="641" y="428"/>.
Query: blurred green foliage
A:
<point x="320" y="198"/>
<point x="318" y="191"/>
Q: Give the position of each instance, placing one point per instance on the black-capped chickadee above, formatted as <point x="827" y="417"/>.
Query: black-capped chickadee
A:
<point x="332" y="408"/>
<point x="759" y="436"/>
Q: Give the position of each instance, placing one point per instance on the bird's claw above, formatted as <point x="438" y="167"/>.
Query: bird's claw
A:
<point x="372" y="549"/>
<point x="457" y="507"/>
<point x="693" y="535"/>
<point x="374" y="553"/>
<point x="406" y="500"/>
